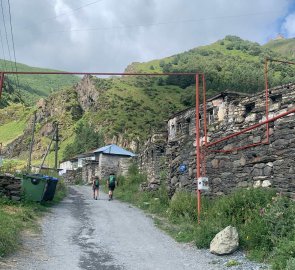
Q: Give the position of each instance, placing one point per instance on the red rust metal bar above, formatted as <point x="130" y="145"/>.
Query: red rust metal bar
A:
<point x="237" y="148"/>
<point x="266" y="97"/>
<point x="280" y="61"/>
<point x="198" y="157"/>
<point x="205" y="109"/>
<point x="98" y="73"/>
<point x="251" y="127"/>
<point x="1" y="82"/>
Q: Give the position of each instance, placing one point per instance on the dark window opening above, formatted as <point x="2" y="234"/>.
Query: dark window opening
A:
<point x="249" y="108"/>
<point x="276" y="98"/>
<point x="210" y="116"/>
<point x="188" y="121"/>
<point x="179" y="127"/>
<point x="152" y="154"/>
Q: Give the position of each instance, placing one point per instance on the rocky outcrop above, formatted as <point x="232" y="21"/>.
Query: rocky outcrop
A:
<point x="225" y="242"/>
<point x="10" y="187"/>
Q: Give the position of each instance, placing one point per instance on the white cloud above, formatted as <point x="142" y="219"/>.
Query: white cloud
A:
<point x="110" y="34"/>
<point x="289" y="25"/>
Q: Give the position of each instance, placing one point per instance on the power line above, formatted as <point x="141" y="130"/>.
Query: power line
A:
<point x="12" y="38"/>
<point x="3" y="52"/>
<point x="73" y="11"/>
<point x="16" y="82"/>
<point x="6" y="35"/>
<point x="162" y="23"/>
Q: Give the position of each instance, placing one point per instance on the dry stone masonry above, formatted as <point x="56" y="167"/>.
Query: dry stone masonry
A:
<point x="10" y="187"/>
<point x="267" y="164"/>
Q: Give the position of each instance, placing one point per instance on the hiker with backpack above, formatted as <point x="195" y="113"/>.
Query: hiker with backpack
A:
<point x="111" y="182"/>
<point x="95" y="187"/>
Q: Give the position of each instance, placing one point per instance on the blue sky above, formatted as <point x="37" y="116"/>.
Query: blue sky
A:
<point x="107" y="35"/>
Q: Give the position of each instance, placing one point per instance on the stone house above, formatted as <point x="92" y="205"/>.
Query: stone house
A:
<point x="266" y="163"/>
<point x="112" y="159"/>
<point x="100" y="162"/>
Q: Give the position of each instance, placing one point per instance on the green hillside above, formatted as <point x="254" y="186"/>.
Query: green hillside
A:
<point x="285" y="47"/>
<point x="129" y="108"/>
<point x="30" y="88"/>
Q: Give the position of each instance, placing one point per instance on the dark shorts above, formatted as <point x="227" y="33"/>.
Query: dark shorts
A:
<point x="111" y="187"/>
<point x="95" y="187"/>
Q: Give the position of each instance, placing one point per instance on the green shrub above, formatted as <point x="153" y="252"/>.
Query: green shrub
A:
<point x="283" y="253"/>
<point x="183" y="206"/>
<point x="290" y="264"/>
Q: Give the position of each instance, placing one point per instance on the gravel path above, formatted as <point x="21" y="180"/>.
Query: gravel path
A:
<point x="82" y="233"/>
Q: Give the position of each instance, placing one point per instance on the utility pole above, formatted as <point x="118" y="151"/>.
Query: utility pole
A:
<point x="48" y="149"/>
<point x="32" y="143"/>
<point x="56" y="145"/>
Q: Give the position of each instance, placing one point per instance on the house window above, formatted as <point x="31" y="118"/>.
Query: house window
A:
<point x="210" y="116"/>
<point x="172" y="128"/>
<point x="276" y="98"/>
<point x="188" y="122"/>
<point x="249" y="108"/>
<point x="152" y="154"/>
<point x="179" y="127"/>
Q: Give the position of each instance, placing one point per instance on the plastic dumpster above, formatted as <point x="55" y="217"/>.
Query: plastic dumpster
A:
<point x="34" y="186"/>
<point x="50" y="189"/>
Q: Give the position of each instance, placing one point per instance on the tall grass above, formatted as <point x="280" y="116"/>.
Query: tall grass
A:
<point x="17" y="216"/>
<point x="264" y="219"/>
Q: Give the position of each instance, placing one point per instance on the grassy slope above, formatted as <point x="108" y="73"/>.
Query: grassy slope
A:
<point x="32" y="87"/>
<point x="13" y="121"/>
<point x="134" y="106"/>
<point x="130" y="107"/>
<point x="285" y="47"/>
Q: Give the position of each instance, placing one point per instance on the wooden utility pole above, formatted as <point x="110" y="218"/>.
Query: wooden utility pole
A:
<point x="32" y="143"/>
<point x="48" y="148"/>
<point x="56" y="145"/>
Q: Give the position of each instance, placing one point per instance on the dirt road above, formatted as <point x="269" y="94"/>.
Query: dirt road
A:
<point x="82" y="233"/>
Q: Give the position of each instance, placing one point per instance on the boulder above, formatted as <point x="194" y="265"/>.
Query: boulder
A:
<point x="225" y="242"/>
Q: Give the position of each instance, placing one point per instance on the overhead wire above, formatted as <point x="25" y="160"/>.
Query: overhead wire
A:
<point x="6" y="35"/>
<point x="16" y="82"/>
<point x="71" y="12"/>
<point x="12" y="39"/>
<point x="163" y="23"/>
<point x="3" y="51"/>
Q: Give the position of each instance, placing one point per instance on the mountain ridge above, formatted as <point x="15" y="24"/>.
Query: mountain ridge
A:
<point x="127" y="109"/>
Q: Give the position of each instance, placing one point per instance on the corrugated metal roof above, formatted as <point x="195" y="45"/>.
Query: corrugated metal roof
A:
<point x="113" y="149"/>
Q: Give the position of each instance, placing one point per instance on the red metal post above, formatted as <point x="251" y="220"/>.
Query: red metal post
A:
<point x="198" y="156"/>
<point x="204" y="109"/>
<point x="266" y="98"/>
<point x="1" y="82"/>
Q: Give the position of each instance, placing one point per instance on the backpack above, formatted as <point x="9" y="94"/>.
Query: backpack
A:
<point x="96" y="182"/>
<point x="112" y="180"/>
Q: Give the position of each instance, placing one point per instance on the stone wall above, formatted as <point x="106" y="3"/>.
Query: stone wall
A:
<point x="152" y="160"/>
<point x="10" y="187"/>
<point x="89" y="170"/>
<point x="267" y="164"/>
<point x="72" y="176"/>
<point x="113" y="164"/>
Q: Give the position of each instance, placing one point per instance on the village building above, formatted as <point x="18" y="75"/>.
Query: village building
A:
<point x="269" y="162"/>
<point x="100" y="162"/>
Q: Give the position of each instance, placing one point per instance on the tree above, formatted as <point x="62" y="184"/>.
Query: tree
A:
<point x="86" y="138"/>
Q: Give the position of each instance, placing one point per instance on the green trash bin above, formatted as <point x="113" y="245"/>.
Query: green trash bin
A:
<point x="34" y="186"/>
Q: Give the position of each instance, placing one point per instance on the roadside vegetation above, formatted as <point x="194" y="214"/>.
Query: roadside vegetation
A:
<point x="16" y="217"/>
<point x="264" y="219"/>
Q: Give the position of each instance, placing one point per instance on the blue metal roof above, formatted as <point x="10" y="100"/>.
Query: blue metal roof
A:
<point x="113" y="149"/>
